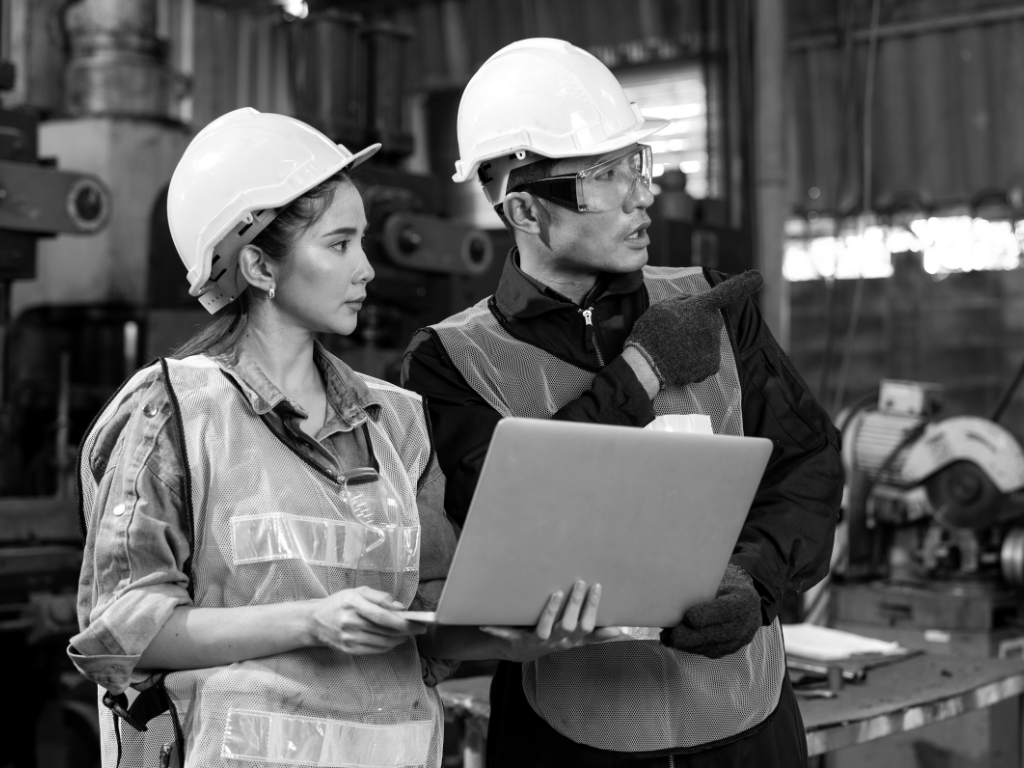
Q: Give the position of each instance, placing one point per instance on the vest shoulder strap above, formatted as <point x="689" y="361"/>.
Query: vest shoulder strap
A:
<point x="500" y="368"/>
<point x="479" y="312"/>
<point x="387" y="389"/>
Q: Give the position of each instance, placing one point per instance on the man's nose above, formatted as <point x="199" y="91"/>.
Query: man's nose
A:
<point x="641" y="198"/>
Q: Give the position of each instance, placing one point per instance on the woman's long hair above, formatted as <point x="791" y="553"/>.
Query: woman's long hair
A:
<point x="222" y="333"/>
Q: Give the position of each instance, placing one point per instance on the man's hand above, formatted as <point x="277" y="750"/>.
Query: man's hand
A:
<point x="723" y="625"/>
<point x="575" y="627"/>
<point x="680" y="338"/>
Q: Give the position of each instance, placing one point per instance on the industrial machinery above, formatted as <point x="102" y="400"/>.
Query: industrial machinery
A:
<point x="934" y="509"/>
<point x="427" y="265"/>
<point x="40" y="545"/>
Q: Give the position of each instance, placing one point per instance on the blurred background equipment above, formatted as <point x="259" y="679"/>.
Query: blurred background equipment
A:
<point x="40" y="549"/>
<point x="427" y="266"/>
<point x="933" y="508"/>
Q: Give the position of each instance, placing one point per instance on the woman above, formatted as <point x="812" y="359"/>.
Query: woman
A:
<point x="258" y="514"/>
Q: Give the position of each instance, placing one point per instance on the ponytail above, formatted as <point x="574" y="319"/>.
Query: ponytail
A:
<point x="221" y="333"/>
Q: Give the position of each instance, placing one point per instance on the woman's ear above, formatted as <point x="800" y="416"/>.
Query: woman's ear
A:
<point x="257" y="270"/>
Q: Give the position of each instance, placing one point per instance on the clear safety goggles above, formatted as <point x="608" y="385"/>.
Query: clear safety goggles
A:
<point x="602" y="187"/>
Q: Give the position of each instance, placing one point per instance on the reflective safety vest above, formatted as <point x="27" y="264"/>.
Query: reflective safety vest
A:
<point x="267" y="527"/>
<point x="633" y="695"/>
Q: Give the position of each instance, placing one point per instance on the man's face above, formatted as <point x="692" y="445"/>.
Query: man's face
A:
<point x="610" y="241"/>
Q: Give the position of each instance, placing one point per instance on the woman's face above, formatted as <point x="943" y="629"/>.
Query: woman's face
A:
<point x="322" y="283"/>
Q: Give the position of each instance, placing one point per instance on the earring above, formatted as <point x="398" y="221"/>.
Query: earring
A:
<point x="271" y="292"/>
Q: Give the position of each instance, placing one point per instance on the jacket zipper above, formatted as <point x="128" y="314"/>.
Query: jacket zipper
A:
<point x="588" y="318"/>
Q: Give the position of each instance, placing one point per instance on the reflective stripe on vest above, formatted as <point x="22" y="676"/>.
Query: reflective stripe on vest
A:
<point x="270" y="737"/>
<point x="269" y="529"/>
<point x="634" y="695"/>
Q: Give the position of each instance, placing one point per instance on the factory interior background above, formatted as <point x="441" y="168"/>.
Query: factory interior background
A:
<point x="867" y="156"/>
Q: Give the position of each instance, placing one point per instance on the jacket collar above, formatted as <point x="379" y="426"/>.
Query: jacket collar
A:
<point x="521" y="296"/>
<point x="347" y="393"/>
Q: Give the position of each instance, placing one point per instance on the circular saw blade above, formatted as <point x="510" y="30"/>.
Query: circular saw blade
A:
<point x="964" y="496"/>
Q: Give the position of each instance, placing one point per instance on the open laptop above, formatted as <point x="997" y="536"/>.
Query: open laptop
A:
<point x="651" y="516"/>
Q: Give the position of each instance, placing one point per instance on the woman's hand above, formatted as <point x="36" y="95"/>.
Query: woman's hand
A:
<point x="574" y="628"/>
<point x="361" y="621"/>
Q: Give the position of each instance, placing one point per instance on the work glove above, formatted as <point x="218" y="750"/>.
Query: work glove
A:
<point x="723" y="625"/>
<point x="681" y="337"/>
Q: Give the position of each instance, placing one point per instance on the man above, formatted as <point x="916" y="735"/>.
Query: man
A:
<point x="578" y="330"/>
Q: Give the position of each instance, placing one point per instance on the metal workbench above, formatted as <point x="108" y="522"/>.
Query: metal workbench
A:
<point x="900" y="697"/>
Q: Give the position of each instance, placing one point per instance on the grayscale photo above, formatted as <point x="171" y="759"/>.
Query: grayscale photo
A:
<point x="512" y="383"/>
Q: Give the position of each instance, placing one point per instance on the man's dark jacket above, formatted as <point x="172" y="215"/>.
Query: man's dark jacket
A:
<point x="786" y="541"/>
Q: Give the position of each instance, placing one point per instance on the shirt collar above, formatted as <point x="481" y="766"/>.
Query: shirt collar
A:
<point x="347" y="393"/>
<point x="521" y="296"/>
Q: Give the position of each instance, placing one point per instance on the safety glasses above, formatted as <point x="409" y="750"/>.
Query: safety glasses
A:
<point x="602" y="187"/>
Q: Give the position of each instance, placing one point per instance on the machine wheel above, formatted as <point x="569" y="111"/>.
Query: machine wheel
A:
<point x="1011" y="557"/>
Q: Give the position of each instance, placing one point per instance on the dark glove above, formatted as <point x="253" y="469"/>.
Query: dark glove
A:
<point x="680" y="337"/>
<point x="723" y="625"/>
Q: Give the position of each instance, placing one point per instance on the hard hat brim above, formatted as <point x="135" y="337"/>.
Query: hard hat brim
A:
<point x="360" y="157"/>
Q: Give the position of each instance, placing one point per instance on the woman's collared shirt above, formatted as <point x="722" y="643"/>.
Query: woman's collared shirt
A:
<point x="133" y="570"/>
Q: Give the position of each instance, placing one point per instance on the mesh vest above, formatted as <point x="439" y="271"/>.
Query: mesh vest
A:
<point x="268" y="528"/>
<point x="634" y="695"/>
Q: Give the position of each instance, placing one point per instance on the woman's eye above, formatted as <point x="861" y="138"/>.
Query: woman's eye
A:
<point x="341" y="245"/>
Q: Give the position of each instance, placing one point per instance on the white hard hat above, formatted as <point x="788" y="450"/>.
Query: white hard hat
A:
<point x="227" y="185"/>
<point x="542" y="97"/>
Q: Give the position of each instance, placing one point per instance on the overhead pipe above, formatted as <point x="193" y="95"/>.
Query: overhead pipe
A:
<point x="118" y="66"/>
<point x="909" y="28"/>
<point x="770" y="207"/>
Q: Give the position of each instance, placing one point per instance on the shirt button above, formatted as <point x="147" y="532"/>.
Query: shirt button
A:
<point x="118" y="510"/>
<point x="150" y="410"/>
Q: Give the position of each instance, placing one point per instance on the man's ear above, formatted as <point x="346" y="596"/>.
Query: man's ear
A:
<point x="526" y="213"/>
<point x="256" y="269"/>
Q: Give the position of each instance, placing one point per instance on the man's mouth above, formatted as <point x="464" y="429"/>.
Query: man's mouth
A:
<point x="639" y="233"/>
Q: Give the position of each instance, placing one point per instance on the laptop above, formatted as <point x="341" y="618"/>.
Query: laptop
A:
<point x="651" y="516"/>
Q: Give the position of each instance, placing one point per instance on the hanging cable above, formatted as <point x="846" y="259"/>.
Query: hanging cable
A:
<point x="846" y="113"/>
<point x="869" y="108"/>
<point x="866" y="197"/>
<point x="851" y="337"/>
<point x="1007" y="397"/>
